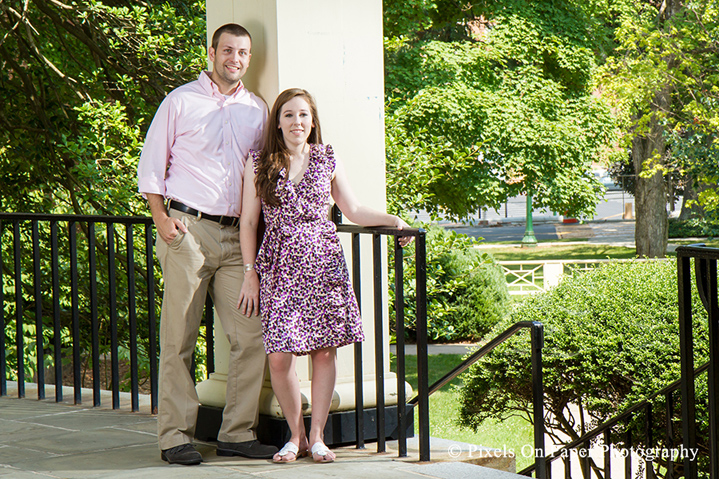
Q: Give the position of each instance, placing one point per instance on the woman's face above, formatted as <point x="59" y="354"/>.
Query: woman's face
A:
<point x="296" y="121"/>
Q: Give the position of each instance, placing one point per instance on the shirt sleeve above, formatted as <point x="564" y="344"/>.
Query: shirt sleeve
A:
<point x="155" y="156"/>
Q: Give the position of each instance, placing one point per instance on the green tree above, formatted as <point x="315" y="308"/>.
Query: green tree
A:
<point x="466" y="290"/>
<point x="664" y="83"/>
<point x="502" y="94"/>
<point x="79" y="83"/>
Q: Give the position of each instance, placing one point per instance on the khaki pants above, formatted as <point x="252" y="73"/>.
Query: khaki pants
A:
<point x="207" y="258"/>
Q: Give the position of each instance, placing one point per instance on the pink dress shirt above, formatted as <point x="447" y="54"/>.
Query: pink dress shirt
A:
<point x="197" y="145"/>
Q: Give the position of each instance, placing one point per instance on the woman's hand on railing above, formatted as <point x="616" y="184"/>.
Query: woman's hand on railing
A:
<point x="401" y="224"/>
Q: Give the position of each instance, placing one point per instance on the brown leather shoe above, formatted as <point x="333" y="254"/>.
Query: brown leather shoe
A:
<point x="250" y="449"/>
<point x="184" y="454"/>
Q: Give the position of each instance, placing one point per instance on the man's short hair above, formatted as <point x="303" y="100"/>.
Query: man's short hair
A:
<point x="231" y="28"/>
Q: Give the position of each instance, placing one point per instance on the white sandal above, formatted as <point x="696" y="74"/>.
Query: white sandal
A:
<point x="321" y="450"/>
<point x="290" y="447"/>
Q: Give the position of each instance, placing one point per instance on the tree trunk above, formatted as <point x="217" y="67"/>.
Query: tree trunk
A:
<point x="690" y="207"/>
<point x="648" y="151"/>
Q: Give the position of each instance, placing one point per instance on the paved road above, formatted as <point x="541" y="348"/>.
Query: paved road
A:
<point x="615" y="232"/>
<point x="611" y="207"/>
<point x="506" y="232"/>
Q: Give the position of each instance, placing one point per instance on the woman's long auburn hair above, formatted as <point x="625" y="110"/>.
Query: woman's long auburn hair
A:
<point x="275" y="155"/>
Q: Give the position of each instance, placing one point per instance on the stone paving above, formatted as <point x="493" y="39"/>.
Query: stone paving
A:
<point x="44" y="439"/>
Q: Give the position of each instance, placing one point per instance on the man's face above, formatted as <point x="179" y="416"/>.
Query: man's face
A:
<point x="230" y="60"/>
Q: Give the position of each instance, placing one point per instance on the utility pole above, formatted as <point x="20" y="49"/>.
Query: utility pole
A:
<point x="529" y="240"/>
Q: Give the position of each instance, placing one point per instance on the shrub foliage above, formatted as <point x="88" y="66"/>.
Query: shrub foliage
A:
<point x="611" y="339"/>
<point x="466" y="290"/>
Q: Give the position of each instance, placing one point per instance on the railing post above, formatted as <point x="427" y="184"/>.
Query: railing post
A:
<point x="568" y="465"/>
<point x="687" y="363"/>
<point x="3" y="359"/>
<point x="112" y="290"/>
<point x="151" y="315"/>
<point x="669" y="408"/>
<point x="648" y="422"/>
<point x="713" y="373"/>
<point x="422" y="366"/>
<point x="76" y="360"/>
<point x="399" y="342"/>
<point x="540" y="461"/>
<point x="95" y="320"/>
<point x="379" y="341"/>
<point x="359" y="382"/>
<point x="628" y="447"/>
<point x="210" y="334"/>
<point x="19" y="307"/>
<point x="57" y="339"/>
<point x="607" y="454"/>
<point x="132" y="316"/>
<point x="37" y="294"/>
<point x="584" y="460"/>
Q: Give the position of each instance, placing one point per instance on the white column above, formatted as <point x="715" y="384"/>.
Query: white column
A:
<point x="333" y="49"/>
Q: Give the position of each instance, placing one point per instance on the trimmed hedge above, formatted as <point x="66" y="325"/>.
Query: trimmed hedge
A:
<point x="611" y="339"/>
<point x="692" y="228"/>
<point x="466" y="290"/>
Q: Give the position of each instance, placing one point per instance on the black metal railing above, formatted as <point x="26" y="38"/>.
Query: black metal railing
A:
<point x="378" y="254"/>
<point x="91" y="296"/>
<point x="537" y="343"/>
<point x="666" y="420"/>
<point x="645" y="412"/>
<point x="705" y="262"/>
<point x="68" y="278"/>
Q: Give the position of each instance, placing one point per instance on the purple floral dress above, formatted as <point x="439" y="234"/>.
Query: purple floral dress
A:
<point x="306" y="299"/>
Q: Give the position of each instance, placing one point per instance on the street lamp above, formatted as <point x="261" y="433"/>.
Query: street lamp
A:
<point x="529" y="239"/>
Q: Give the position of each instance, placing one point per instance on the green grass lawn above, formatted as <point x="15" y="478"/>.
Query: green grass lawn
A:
<point x="560" y="252"/>
<point x="575" y="251"/>
<point x="513" y="433"/>
<point x="713" y="242"/>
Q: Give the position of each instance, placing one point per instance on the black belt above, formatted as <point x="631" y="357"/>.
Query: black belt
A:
<point x="223" y="220"/>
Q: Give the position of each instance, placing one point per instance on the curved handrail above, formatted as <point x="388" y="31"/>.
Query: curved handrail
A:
<point x="537" y="338"/>
<point x="484" y="350"/>
<point x="705" y="278"/>
<point x="608" y="424"/>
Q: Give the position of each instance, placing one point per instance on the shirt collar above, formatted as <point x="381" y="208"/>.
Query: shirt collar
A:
<point x="211" y="88"/>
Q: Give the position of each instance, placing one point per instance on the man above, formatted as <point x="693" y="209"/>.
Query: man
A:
<point x="194" y="156"/>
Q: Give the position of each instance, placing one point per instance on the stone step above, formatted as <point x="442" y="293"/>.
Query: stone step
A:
<point x="453" y="457"/>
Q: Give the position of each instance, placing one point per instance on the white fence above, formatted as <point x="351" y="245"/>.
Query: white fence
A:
<point x="527" y="277"/>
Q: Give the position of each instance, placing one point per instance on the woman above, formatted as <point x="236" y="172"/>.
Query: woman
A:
<point x="304" y="295"/>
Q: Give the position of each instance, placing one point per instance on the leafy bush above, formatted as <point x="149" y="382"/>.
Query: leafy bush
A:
<point x="483" y="303"/>
<point x="692" y="227"/>
<point x="466" y="291"/>
<point x="611" y="339"/>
